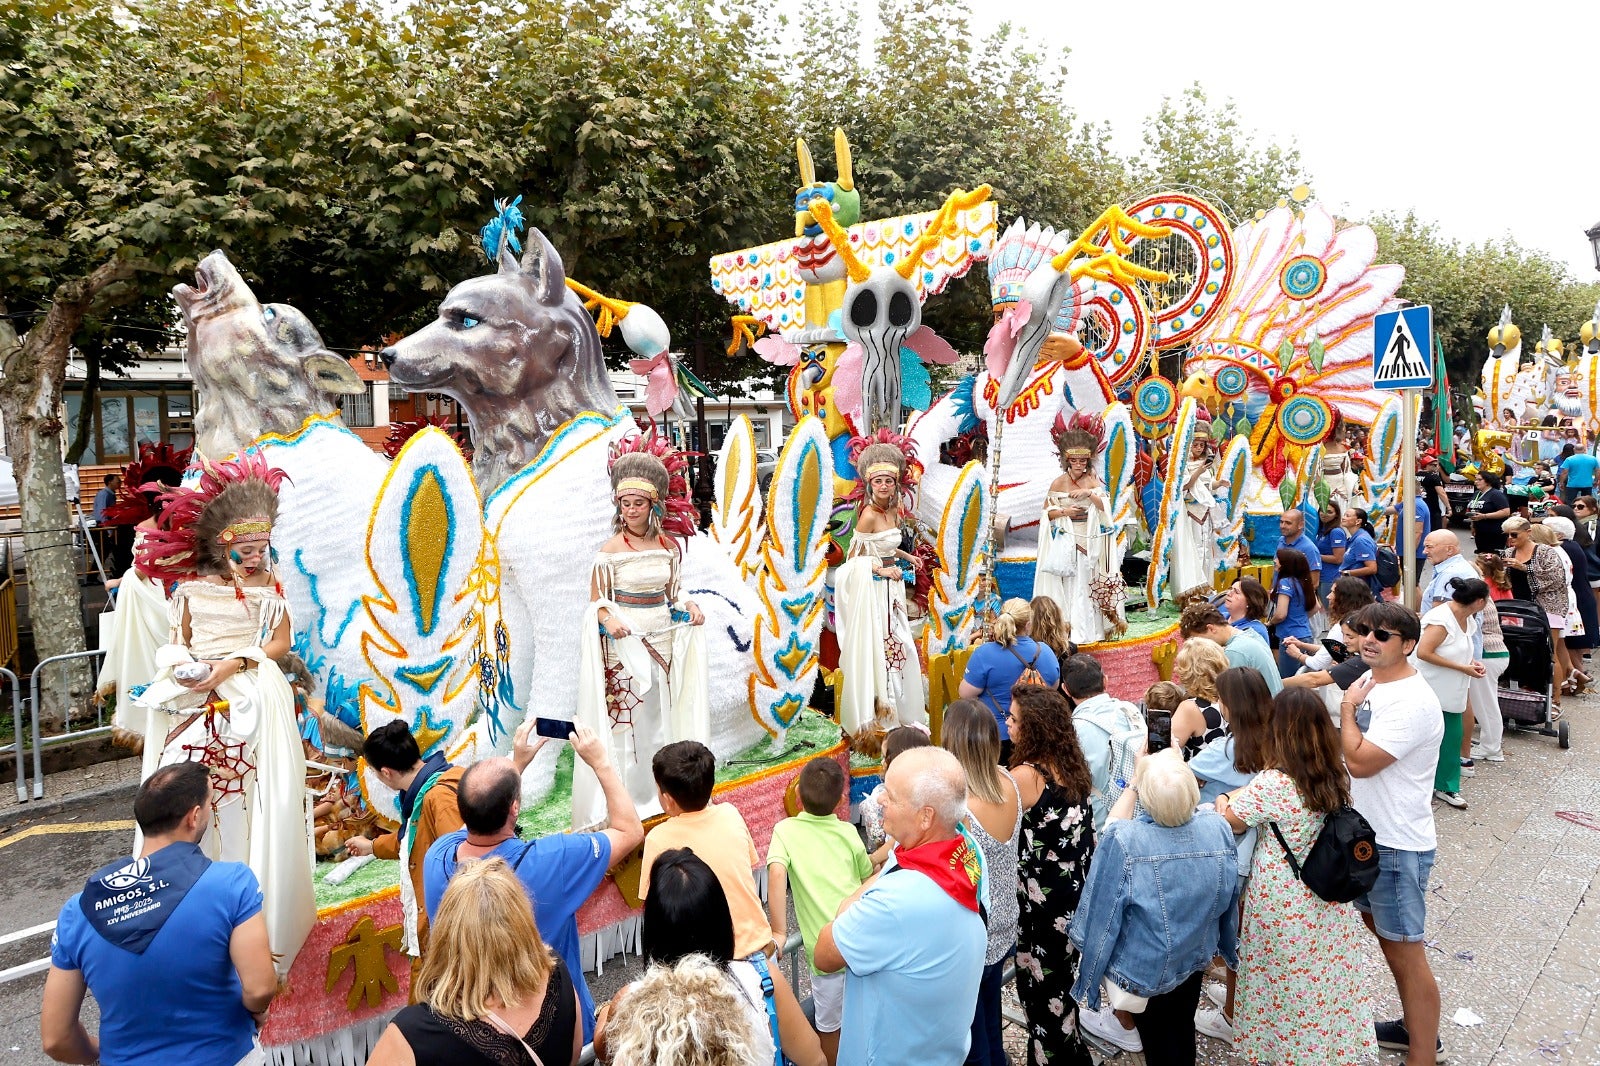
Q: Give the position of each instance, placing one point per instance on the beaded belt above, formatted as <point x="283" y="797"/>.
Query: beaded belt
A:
<point x="640" y="599"/>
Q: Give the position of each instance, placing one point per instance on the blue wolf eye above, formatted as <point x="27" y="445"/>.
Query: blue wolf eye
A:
<point x="268" y="314"/>
<point x="467" y="321"/>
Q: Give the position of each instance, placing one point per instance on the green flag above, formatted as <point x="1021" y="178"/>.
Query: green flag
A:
<point x="1444" y="429"/>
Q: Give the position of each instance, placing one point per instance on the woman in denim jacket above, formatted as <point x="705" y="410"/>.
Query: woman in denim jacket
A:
<point x="1160" y="903"/>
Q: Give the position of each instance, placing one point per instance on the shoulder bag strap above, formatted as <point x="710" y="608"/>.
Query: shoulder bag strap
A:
<point x="503" y="1026"/>
<point x="1287" y="853"/>
<point x="768" y="993"/>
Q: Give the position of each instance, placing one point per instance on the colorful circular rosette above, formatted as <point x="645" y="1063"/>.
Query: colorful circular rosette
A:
<point x="1303" y="277"/>
<point x="1304" y="420"/>
<point x="1154" y="401"/>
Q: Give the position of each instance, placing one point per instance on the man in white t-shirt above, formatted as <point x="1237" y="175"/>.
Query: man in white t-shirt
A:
<point x="1391" y="783"/>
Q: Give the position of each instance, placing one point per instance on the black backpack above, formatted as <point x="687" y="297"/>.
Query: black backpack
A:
<point x="1388" y="574"/>
<point x="1342" y="864"/>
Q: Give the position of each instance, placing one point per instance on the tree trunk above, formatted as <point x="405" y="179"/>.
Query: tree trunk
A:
<point x="91" y="391"/>
<point x="34" y="369"/>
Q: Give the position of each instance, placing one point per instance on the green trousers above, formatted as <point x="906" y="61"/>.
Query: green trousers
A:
<point x="1447" y="778"/>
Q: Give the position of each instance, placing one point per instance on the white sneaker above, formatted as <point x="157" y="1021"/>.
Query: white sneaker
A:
<point x="1453" y="799"/>
<point x="1215" y="1024"/>
<point x="1217" y="994"/>
<point x="1103" y="1024"/>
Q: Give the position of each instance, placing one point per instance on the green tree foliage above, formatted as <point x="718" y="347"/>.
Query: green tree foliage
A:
<point x="1191" y="142"/>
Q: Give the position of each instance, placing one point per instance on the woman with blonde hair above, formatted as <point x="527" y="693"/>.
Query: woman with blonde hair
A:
<point x="684" y="1014"/>
<point x="1012" y="656"/>
<point x="1049" y="628"/>
<point x="1197" y="721"/>
<point x="489" y="992"/>
<point x="994" y="819"/>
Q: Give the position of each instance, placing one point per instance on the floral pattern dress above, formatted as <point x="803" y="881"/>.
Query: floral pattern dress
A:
<point x="1300" y="998"/>
<point x="1057" y="842"/>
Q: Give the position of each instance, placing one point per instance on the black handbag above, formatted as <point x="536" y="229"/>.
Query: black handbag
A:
<point x="1342" y="864"/>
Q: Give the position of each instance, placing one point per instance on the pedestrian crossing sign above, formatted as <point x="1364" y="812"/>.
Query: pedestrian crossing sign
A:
<point x="1402" y="349"/>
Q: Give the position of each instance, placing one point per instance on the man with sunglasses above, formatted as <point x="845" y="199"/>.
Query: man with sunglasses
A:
<point x="1391" y="766"/>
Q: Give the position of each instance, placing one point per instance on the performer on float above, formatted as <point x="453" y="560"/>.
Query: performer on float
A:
<point x="139" y="616"/>
<point x="882" y="677"/>
<point x="218" y="697"/>
<point x="1078" y="546"/>
<point x="1338" y="468"/>
<point x="642" y="679"/>
<point x="1194" y="552"/>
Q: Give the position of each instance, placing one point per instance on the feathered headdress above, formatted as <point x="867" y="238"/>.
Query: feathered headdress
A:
<point x="648" y="464"/>
<point x="1080" y="437"/>
<point x="1017" y="254"/>
<point x="884" y="452"/>
<point x="234" y="502"/>
<point x="158" y="468"/>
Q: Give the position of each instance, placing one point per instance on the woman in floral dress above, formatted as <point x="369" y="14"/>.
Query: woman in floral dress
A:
<point x="1057" y="841"/>
<point x="1300" y="998"/>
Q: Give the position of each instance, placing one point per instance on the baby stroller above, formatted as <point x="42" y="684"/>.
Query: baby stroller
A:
<point x="1527" y="686"/>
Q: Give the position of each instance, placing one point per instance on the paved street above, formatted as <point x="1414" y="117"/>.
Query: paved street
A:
<point x="1512" y="921"/>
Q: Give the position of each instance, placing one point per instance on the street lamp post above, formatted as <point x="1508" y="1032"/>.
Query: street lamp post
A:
<point x="1593" y="233"/>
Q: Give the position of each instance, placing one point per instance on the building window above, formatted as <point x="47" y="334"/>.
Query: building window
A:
<point x="397" y="393"/>
<point x="357" y="410"/>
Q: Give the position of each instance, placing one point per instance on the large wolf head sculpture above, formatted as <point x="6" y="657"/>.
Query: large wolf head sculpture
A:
<point x="258" y="368"/>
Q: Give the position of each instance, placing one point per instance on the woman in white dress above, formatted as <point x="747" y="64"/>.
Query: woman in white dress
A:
<point x="1079" y="563"/>
<point x="882" y="677"/>
<point x="1337" y="469"/>
<point x="219" y="698"/>
<point x="1194" y="541"/>
<point x="642" y="680"/>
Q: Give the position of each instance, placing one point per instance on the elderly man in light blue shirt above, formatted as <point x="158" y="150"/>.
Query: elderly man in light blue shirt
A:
<point x="1444" y="552"/>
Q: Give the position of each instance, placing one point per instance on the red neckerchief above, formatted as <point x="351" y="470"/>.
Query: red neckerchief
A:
<point x="952" y="864"/>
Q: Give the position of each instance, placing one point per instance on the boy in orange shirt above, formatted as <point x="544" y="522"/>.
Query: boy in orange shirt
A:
<point x="685" y="772"/>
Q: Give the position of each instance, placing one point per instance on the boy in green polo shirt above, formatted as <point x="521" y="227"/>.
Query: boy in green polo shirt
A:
<point x="824" y="859"/>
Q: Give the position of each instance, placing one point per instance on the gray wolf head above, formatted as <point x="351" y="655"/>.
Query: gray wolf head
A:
<point x="258" y="368"/>
<point x="520" y="354"/>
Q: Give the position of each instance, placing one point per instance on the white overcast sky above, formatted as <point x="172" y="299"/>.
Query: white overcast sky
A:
<point x="1484" y="118"/>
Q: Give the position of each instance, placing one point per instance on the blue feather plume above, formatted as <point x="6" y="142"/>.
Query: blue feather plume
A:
<point x="916" y="384"/>
<point x="961" y="400"/>
<point x="506" y="222"/>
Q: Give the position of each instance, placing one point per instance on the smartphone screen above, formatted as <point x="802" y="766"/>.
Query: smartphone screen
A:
<point x="556" y="728"/>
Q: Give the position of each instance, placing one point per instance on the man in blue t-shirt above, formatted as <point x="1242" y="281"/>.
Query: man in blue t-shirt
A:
<point x="1292" y="531"/>
<point x="1576" y="477"/>
<point x="560" y="871"/>
<point x="172" y="945"/>
<point x="911" y="940"/>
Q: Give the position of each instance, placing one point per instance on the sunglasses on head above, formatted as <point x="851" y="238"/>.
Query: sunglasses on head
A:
<point x="1380" y="635"/>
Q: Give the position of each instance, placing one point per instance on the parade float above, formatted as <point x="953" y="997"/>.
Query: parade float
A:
<point x="445" y="591"/>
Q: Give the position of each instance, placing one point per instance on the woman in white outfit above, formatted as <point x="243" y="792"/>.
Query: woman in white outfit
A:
<point x="1194" y="543"/>
<point x="881" y="687"/>
<point x="219" y="698"/>
<point x="1079" y="563"/>
<point x="642" y="680"/>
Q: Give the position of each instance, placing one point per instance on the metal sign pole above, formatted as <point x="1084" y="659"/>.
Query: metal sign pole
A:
<point x="1410" y="400"/>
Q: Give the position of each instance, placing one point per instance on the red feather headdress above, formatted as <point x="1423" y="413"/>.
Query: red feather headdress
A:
<point x="186" y="539"/>
<point x="680" y="517"/>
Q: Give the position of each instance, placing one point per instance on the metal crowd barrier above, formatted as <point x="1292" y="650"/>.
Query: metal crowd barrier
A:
<point x="33" y="700"/>
<point x="16" y="746"/>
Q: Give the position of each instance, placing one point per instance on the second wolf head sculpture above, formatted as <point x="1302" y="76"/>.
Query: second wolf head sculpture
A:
<point x="517" y="350"/>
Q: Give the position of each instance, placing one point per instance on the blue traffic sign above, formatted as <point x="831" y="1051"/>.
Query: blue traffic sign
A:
<point x="1402" y="349"/>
